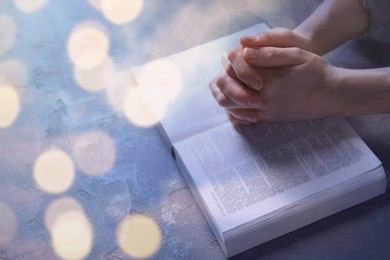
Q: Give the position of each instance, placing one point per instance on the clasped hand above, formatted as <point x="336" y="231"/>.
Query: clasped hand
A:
<point x="274" y="77"/>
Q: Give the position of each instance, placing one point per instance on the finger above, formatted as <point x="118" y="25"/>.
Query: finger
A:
<point x="221" y="99"/>
<point x="244" y="71"/>
<point x="274" y="56"/>
<point x="236" y="121"/>
<point x="278" y="37"/>
<point x="244" y="115"/>
<point x="228" y="67"/>
<point x="238" y="93"/>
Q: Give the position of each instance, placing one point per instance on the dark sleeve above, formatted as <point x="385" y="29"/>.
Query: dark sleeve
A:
<point x="379" y="12"/>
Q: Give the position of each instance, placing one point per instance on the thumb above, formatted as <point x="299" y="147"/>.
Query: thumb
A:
<point x="274" y="56"/>
<point x="278" y="37"/>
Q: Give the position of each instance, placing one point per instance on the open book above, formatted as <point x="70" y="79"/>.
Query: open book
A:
<point x="257" y="182"/>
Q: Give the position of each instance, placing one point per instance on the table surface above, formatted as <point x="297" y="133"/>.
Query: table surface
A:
<point x="118" y="177"/>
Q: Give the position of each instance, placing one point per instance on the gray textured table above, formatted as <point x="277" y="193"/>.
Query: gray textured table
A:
<point x="118" y="179"/>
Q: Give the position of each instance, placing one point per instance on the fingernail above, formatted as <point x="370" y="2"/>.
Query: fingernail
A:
<point x="251" y="53"/>
<point x="255" y="103"/>
<point x="256" y="84"/>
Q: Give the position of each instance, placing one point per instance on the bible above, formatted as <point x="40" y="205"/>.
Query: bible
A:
<point x="254" y="182"/>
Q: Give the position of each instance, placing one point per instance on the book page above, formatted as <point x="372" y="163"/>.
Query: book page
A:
<point x="249" y="171"/>
<point x="188" y="104"/>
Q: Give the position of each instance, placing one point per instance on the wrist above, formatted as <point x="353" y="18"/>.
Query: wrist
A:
<point x="359" y="92"/>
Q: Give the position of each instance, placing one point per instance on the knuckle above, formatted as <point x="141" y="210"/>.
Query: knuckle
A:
<point x="297" y="51"/>
<point x="232" y="54"/>
<point x="266" y="36"/>
<point x="222" y="101"/>
<point x="269" y="54"/>
<point x="244" y="74"/>
<point x="218" y="91"/>
<point x="221" y="82"/>
<point x="229" y="70"/>
<point x="239" y="95"/>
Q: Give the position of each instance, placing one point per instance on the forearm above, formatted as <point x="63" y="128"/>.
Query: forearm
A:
<point x="360" y="92"/>
<point x="333" y="23"/>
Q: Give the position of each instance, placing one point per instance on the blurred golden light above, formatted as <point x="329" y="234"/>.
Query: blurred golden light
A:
<point x="58" y="208"/>
<point x="9" y="105"/>
<point x="13" y="71"/>
<point x="8" y="224"/>
<point x="96" y="79"/>
<point x="94" y="153"/>
<point x="139" y="236"/>
<point x="138" y="110"/>
<point x="121" y="11"/>
<point x="88" y="46"/>
<point x="8" y="31"/>
<point x="54" y="171"/>
<point x="29" y="6"/>
<point x="72" y="235"/>
<point x="160" y="81"/>
<point x="117" y="91"/>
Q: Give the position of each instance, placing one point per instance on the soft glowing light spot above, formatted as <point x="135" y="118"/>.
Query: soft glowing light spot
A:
<point x="58" y="208"/>
<point x="88" y="47"/>
<point x="8" y="224"/>
<point x="96" y="79"/>
<point x="161" y="80"/>
<point x="13" y="71"/>
<point x="139" y="236"/>
<point x="117" y="91"/>
<point x="9" y="105"/>
<point x="54" y="171"/>
<point x="94" y="153"/>
<point x="121" y="11"/>
<point x="139" y="112"/>
<point x="29" y="6"/>
<point x="8" y="31"/>
<point x="72" y="235"/>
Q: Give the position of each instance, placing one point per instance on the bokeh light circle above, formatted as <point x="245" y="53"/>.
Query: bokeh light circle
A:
<point x="8" y="224"/>
<point x="117" y="91"/>
<point x="139" y="236"/>
<point x="29" y="6"/>
<point x="96" y="79"/>
<point x="138" y="110"/>
<point x="94" y="153"/>
<point x="58" y="208"/>
<point x="121" y="11"/>
<point x="72" y="235"/>
<point x="161" y="80"/>
<point x="54" y="171"/>
<point x="88" y="46"/>
<point x="9" y="105"/>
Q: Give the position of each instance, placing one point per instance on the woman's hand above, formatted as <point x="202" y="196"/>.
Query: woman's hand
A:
<point x="278" y="37"/>
<point x="242" y="105"/>
<point x="296" y="85"/>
